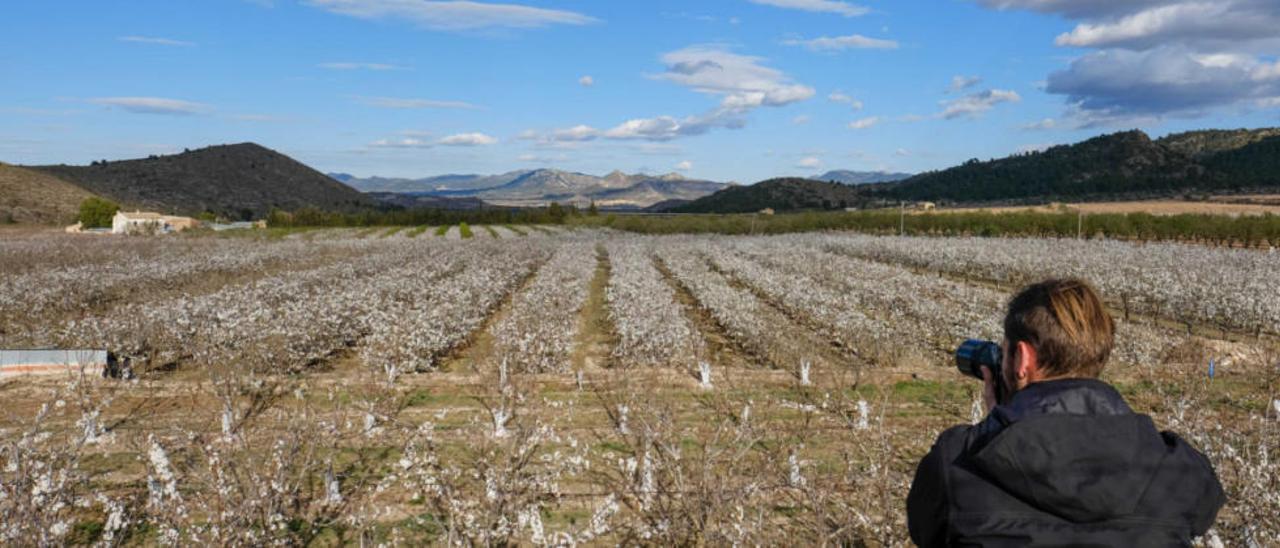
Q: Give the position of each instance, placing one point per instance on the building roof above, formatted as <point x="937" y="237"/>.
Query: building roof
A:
<point x="141" y="215"/>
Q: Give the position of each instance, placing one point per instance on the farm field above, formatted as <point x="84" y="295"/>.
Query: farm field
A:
<point x="539" y="386"/>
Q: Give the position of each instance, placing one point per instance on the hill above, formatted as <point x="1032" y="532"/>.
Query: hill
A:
<point x="1125" y="165"/>
<point x="1203" y="144"/>
<point x="29" y="196"/>
<point x="237" y="181"/>
<point x="787" y="194"/>
<point x="847" y="177"/>
<point x="1256" y="165"/>
<point x="441" y="183"/>
<point x="543" y="186"/>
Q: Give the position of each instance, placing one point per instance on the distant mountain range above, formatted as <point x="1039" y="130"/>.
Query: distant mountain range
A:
<point x="543" y="186"/>
<point x="247" y="181"/>
<point x="847" y="177"/>
<point x="242" y="181"/>
<point x="1120" y="166"/>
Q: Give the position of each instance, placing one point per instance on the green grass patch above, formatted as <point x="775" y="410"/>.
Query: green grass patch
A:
<point x="465" y="230"/>
<point x="442" y="230"/>
<point x="517" y="230"/>
<point x="541" y="229"/>
<point x="491" y="231"/>
<point x="392" y="232"/>
<point x="417" y="231"/>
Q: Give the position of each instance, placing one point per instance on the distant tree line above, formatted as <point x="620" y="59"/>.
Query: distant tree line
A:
<point x="1246" y="230"/>
<point x="313" y="217"/>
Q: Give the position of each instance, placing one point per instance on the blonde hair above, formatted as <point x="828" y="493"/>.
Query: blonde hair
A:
<point x="1067" y="324"/>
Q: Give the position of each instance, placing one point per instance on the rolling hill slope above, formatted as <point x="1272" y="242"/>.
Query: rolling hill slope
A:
<point x="788" y="194"/>
<point x="238" y="181"/>
<point x="1121" y="166"/>
<point x="30" y="196"/>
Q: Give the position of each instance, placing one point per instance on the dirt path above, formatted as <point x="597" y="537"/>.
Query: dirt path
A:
<point x="723" y="350"/>
<point x="596" y="336"/>
<point x="480" y="347"/>
<point x="830" y="349"/>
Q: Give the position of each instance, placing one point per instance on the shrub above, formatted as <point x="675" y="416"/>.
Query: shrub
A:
<point x="97" y="213"/>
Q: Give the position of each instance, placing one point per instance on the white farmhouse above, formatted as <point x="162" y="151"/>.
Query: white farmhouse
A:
<point x="140" y="222"/>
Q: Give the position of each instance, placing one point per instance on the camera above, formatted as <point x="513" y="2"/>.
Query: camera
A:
<point x="974" y="353"/>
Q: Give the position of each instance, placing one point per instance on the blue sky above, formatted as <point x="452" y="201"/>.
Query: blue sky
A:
<point x="735" y="90"/>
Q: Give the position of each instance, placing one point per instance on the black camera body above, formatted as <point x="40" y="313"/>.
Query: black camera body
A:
<point x="974" y="353"/>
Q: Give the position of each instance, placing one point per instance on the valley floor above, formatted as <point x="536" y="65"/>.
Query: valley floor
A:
<point x="553" y="386"/>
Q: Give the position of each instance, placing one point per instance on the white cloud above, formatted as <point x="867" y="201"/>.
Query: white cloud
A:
<point x="1073" y="8"/>
<point x="1208" y="22"/>
<point x="741" y="79"/>
<point x="1045" y="124"/>
<point x="666" y="128"/>
<point x="420" y="139"/>
<point x="586" y="81"/>
<point x="152" y="105"/>
<point x="1112" y="85"/>
<point x="820" y="6"/>
<point x="454" y="15"/>
<point x="468" y="140"/>
<point x="408" y="142"/>
<point x="801" y="120"/>
<point x="864" y="123"/>
<point x="1153" y="59"/>
<point x="977" y="103"/>
<point x="961" y="83"/>
<point x="684" y="166"/>
<point x="841" y="98"/>
<point x="575" y="134"/>
<point x="902" y="152"/>
<point x="809" y="162"/>
<point x="156" y="41"/>
<point x="840" y="43"/>
<point x="412" y="104"/>
<point x="360" y="66"/>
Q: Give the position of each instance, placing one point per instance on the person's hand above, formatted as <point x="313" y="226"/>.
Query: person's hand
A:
<point x="988" y="389"/>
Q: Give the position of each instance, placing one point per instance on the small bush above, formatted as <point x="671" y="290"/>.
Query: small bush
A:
<point x="97" y="213"/>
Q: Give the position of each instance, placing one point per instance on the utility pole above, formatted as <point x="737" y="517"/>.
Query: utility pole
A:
<point x="1080" y="225"/>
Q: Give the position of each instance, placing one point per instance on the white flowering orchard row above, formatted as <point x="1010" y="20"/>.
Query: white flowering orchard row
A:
<point x="748" y="320"/>
<point x="927" y="311"/>
<point x="538" y="334"/>
<point x="1231" y="288"/>
<point x="84" y="283"/>
<point x="411" y="325"/>
<point x="652" y="329"/>
<point x="412" y="332"/>
<point x="837" y="315"/>
<point x="290" y="321"/>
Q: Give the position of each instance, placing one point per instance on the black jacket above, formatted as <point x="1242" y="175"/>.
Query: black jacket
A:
<point x="1065" y="463"/>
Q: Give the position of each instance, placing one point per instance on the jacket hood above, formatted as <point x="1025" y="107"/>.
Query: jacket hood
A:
<point x="1074" y="449"/>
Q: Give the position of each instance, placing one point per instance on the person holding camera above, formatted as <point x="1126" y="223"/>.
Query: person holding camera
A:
<point x="1060" y="459"/>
